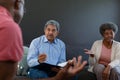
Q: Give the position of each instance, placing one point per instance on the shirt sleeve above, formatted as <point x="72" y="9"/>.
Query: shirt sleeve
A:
<point x="92" y="60"/>
<point x="116" y="61"/>
<point x="11" y="47"/>
<point x="32" y="57"/>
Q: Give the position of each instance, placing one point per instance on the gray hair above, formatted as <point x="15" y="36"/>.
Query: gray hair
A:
<point x="108" y="26"/>
<point x="53" y="22"/>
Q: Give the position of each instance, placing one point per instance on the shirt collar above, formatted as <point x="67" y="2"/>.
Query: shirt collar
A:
<point x="46" y="40"/>
<point x="4" y="11"/>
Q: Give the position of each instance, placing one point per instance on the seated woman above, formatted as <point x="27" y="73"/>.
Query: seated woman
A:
<point x="104" y="56"/>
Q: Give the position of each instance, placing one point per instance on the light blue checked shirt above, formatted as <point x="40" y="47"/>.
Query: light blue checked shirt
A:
<point x="56" y="51"/>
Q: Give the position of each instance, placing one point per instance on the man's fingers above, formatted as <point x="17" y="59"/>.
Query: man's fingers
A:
<point x="79" y="60"/>
<point x="74" y="61"/>
<point x="83" y="64"/>
<point x="68" y="65"/>
<point x="43" y="55"/>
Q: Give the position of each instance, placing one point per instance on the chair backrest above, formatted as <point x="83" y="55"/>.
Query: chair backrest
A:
<point x="22" y="65"/>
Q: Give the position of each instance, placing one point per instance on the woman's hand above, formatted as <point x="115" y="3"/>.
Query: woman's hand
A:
<point x="89" y="52"/>
<point x="106" y="73"/>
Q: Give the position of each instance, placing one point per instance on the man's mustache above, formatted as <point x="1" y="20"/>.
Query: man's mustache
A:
<point x="50" y="35"/>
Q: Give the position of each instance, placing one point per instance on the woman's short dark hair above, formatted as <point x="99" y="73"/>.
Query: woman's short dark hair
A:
<point x="108" y="26"/>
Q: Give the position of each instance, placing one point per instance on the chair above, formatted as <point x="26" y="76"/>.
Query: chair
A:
<point x="22" y="65"/>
